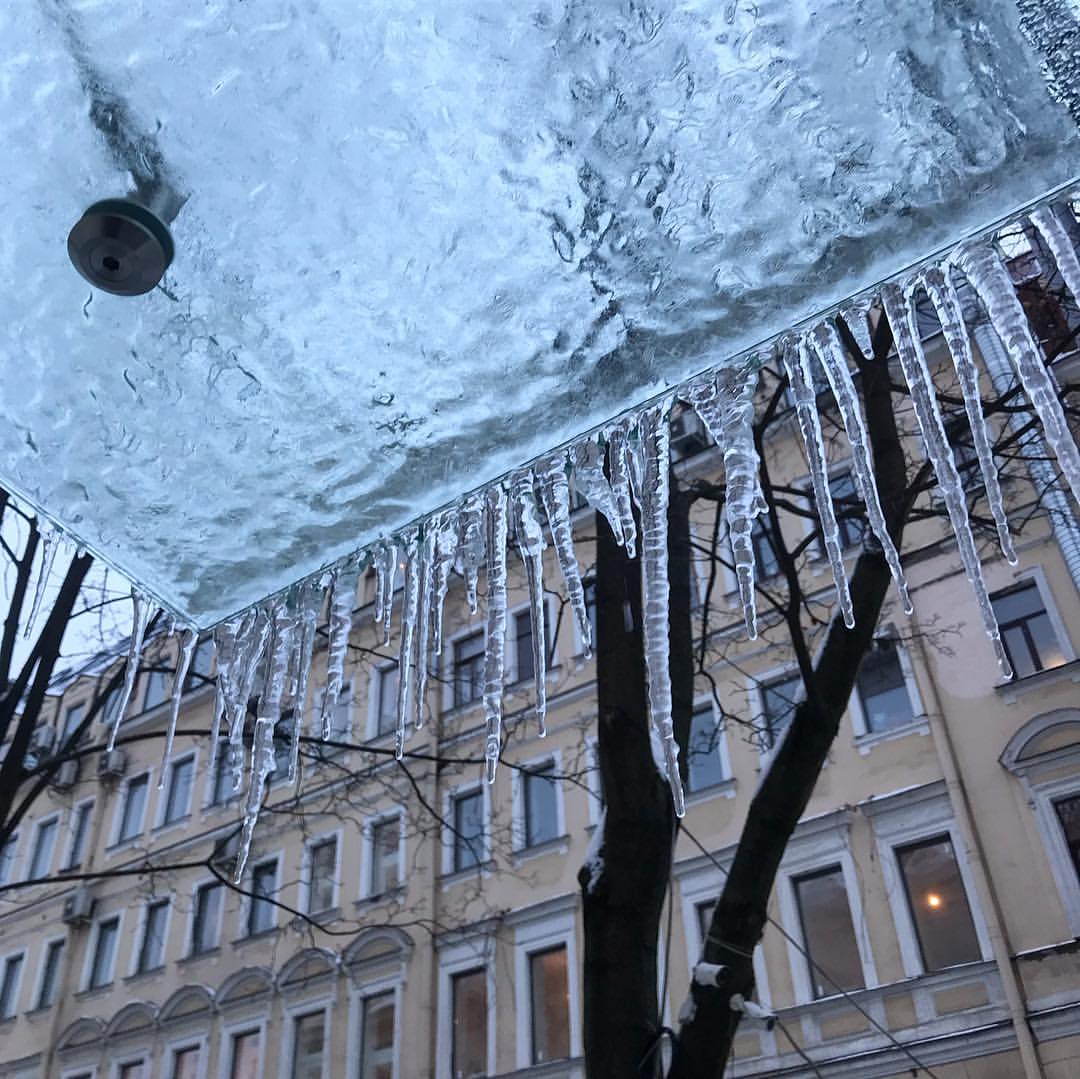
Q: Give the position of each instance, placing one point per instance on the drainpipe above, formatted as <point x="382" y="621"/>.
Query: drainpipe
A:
<point x="991" y="908"/>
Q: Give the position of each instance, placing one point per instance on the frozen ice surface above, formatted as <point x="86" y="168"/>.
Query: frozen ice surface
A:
<point x="423" y="243"/>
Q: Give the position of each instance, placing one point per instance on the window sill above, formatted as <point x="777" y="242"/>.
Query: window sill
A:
<point x="319" y="917"/>
<point x="866" y="742"/>
<point x="93" y="994"/>
<point x="196" y="956"/>
<point x="7" y="1021"/>
<point x="456" y="876"/>
<point x="1012" y="690"/>
<point x="142" y="975"/>
<point x="391" y="895"/>
<point x="250" y="938"/>
<point x="35" y="1012"/>
<point x="559" y="845"/>
<point x="725" y="789"/>
<point x="168" y="826"/>
<point x="123" y="845"/>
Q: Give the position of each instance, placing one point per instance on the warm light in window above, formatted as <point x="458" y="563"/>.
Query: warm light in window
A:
<point x="933" y="900"/>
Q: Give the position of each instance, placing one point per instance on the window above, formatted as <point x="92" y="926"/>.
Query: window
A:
<point x="157" y="689"/>
<point x="846" y="501"/>
<point x="523" y="643"/>
<point x="9" y="985"/>
<point x="1026" y="631"/>
<point x="185" y="1063"/>
<point x="779" y="698"/>
<point x="828" y="932"/>
<point x="1068" y="813"/>
<point x="385" y="855"/>
<point x="322" y="875"/>
<point x="938" y="903"/>
<point x="104" y="955"/>
<point x="202" y="663"/>
<point x="469" y="669"/>
<point x="7" y="857"/>
<point x="882" y="690"/>
<point x="112" y="703"/>
<point x="178" y="796"/>
<point x="704" y="911"/>
<point x="589" y="587"/>
<point x="550" y="1005"/>
<point x="469" y="1001"/>
<point x="468" y="816"/>
<point x="131" y="814"/>
<point x="152" y="948"/>
<point x="244" y="1055"/>
<point x="386" y="696"/>
<point x="309" y="1038"/>
<point x="262" y="914"/>
<point x="705" y="767"/>
<point x="765" y="560"/>
<point x="283" y="732"/>
<point x="223" y="774"/>
<point x="134" y="1069"/>
<point x="44" y="842"/>
<point x="206" y="923"/>
<point x="377" y="1052"/>
<point x="541" y="823"/>
<point x="80" y="832"/>
<point x="72" y="718"/>
<point x="50" y="973"/>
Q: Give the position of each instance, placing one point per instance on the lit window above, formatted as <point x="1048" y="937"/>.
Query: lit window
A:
<point x="468" y="819"/>
<point x="101" y="968"/>
<point x="178" y="795"/>
<point x="469" y="669"/>
<point x="1026" y="631"/>
<point x="244" y="1058"/>
<point x="72" y="718"/>
<point x="9" y="986"/>
<point x="386" y="717"/>
<point x="50" y="973"/>
<point x="185" y="1063"/>
<point x="157" y="689"/>
<point x="828" y="933"/>
<point x="1068" y="813"/>
<point x="938" y="904"/>
<point x="705" y="768"/>
<point x="322" y="870"/>
<point x="550" y="1001"/>
<point x="7" y="857"/>
<point x="309" y="1039"/>
<point x="80" y="832"/>
<point x="44" y="843"/>
<point x="385" y="855"/>
<point x="131" y="816"/>
<point x="377" y="1053"/>
<point x="540" y="804"/>
<point x="881" y="687"/>
<point x="469" y="996"/>
<point x="779" y="699"/>
<point x="207" y="917"/>
<point x="152" y="948"/>
<point x="261" y="911"/>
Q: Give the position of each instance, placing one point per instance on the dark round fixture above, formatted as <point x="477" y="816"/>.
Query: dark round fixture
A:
<point x="120" y="246"/>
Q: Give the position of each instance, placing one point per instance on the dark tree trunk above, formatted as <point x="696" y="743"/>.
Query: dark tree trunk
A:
<point x="622" y="904"/>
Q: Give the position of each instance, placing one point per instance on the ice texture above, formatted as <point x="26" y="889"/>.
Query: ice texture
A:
<point x="587" y="465"/>
<point x="50" y="540"/>
<point x="140" y="614"/>
<point x="188" y="640"/>
<point x="555" y="495"/>
<point x="421" y="244"/>
<point x="495" y="626"/>
<point x="529" y="535"/>
<point x="342" y="599"/>
<point x="407" y="661"/>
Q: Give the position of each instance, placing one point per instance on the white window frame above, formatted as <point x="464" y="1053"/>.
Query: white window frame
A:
<point x="18" y="953"/>
<point x="519" y="838"/>
<point x="818" y="844"/>
<point x="449" y="837"/>
<point x="143" y="1058"/>
<point x="163" y="794"/>
<point x="230" y="1031"/>
<point x="39" y="979"/>
<point x="726" y="786"/>
<point x="347" y="693"/>
<point x="756" y="699"/>
<point x="247" y="902"/>
<point x="73" y="816"/>
<point x="189" y="942"/>
<point x="910" y="817"/>
<point x="367" y="854"/>
<point x="570" y="619"/>
<point x="305" y="876"/>
<point x="375" y="676"/>
<point x="144" y="911"/>
<point x="121" y="801"/>
<point x="512" y="677"/>
<point x="1037" y="576"/>
<point x="12" y="865"/>
<point x="79" y="1071"/>
<point x="448" y="673"/>
<point x="293" y="1010"/>
<point x="51" y="818"/>
<point x="357" y="998"/>
<point x="816" y="554"/>
<point x="593" y="780"/>
<point x="458" y="958"/>
<point x="91" y="951"/>
<point x="537" y="930"/>
<point x="190" y="1041"/>
<point x="864" y="737"/>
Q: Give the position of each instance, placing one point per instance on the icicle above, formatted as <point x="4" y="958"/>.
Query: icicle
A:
<point x="386" y="564"/>
<point x="426" y="562"/>
<point x="530" y="540"/>
<point x="310" y="603"/>
<point x="1047" y="220"/>
<point x="140" y="613"/>
<point x="619" y="470"/>
<point x="183" y="661"/>
<point x="939" y="287"/>
<point x="587" y="461"/>
<point x="279" y="662"/>
<point x="726" y="407"/>
<point x="250" y="655"/>
<point x="343" y="598"/>
<point x="495" y="629"/>
<point x="470" y="551"/>
<point x="446" y="534"/>
<point x="797" y="366"/>
<point x="656" y="590"/>
<point x="406" y="654"/>
<point x="262" y="765"/>
<point x="990" y="279"/>
<point x="902" y="319"/>
<point x="225" y="638"/>
<point x="856" y="316"/>
<point x="830" y="351"/>
<point x="50" y="540"/>
<point x="555" y="494"/>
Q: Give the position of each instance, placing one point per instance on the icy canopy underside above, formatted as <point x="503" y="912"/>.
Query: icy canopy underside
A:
<point x="425" y="242"/>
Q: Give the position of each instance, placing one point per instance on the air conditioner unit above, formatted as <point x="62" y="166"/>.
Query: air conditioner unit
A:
<point x="66" y="775"/>
<point x="688" y="435"/>
<point x="112" y="763"/>
<point x="79" y="907"/>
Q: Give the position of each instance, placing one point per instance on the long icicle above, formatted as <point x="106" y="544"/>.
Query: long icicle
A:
<point x="856" y="316"/>
<point x="50" y="540"/>
<point x="470" y="551"/>
<point x="343" y="597"/>
<point x="495" y="628"/>
<point x="902" y="319"/>
<point x="555" y="494"/>
<point x="446" y="533"/>
<point x="990" y="279"/>
<point x="938" y="285"/>
<point x="618" y="437"/>
<point x="386" y="566"/>
<point x="426" y="562"/>
<point x="797" y="365"/>
<point x="1048" y="221"/>
<point x="530" y="542"/>
<point x="830" y="351"/>
<point x="310" y="603"/>
<point x="140" y="613"/>
<point x="225" y="638"/>
<point x="410" y="607"/>
<point x="587" y="463"/>
<point x="252" y="648"/>
<point x="188" y="641"/>
<point x="656" y="590"/>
